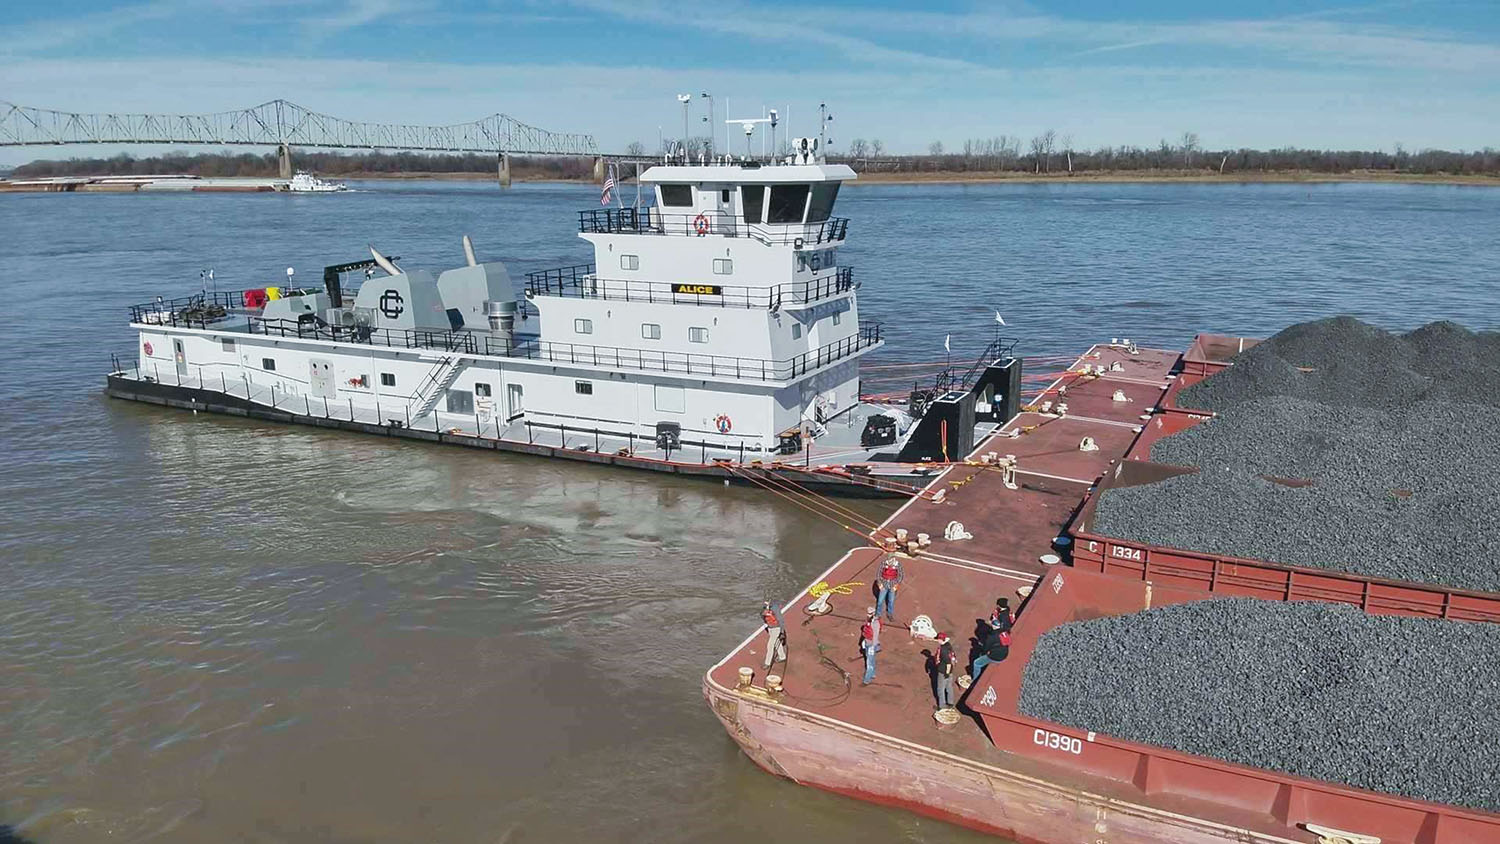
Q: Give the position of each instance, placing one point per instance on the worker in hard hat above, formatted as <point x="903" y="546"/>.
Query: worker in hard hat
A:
<point x="945" y="662"/>
<point x="996" y="647"/>
<point x="775" y="634"/>
<point x="869" y="643"/>
<point x="891" y="576"/>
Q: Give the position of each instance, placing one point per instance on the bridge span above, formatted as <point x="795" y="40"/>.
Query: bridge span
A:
<point x="284" y="125"/>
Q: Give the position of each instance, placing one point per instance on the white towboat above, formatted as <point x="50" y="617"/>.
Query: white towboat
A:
<point x="308" y="183"/>
<point x="716" y="328"/>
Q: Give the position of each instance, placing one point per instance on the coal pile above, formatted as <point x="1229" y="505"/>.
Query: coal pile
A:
<point x="1349" y="467"/>
<point x="1404" y="706"/>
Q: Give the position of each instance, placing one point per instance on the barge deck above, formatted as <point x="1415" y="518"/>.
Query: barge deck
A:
<point x="881" y="742"/>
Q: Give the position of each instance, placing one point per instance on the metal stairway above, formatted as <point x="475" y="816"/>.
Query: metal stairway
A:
<point x="438" y="380"/>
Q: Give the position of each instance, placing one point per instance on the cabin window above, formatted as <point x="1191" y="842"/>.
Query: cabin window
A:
<point x="387" y="379"/>
<point x="583" y="388"/>
<point x="754" y="199"/>
<point x="630" y="262"/>
<point x="671" y="400"/>
<point x="482" y="390"/>
<point x="677" y="196"/>
<point x="787" y="204"/>
<point x="650" y="331"/>
<point x="460" y="401"/>
<point x="723" y="266"/>
<point x="227" y="344"/>
<point x="697" y="335"/>
<point x="821" y="207"/>
<point x="724" y="196"/>
<point x="796" y="331"/>
<point x="268" y="364"/>
<point x="838" y="317"/>
<point x="583" y="326"/>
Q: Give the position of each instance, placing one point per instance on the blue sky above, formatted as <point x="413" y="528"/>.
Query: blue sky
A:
<point x="1273" y="73"/>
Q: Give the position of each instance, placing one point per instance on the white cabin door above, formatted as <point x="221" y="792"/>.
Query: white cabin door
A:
<point x="320" y="379"/>
<point x="513" y="402"/>
<point x="179" y="354"/>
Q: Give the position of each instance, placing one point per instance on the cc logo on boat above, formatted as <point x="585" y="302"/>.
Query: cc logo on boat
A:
<point x="700" y="224"/>
<point x="723" y="424"/>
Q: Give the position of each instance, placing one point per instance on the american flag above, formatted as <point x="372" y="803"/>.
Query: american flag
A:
<point x="609" y="188"/>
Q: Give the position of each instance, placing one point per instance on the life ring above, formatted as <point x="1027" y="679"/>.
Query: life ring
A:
<point x="723" y="423"/>
<point x="700" y="224"/>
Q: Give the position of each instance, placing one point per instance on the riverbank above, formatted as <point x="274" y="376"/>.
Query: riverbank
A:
<point x="945" y="177"/>
<point x="942" y="177"/>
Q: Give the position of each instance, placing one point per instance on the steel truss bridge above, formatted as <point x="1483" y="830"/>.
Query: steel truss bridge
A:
<point x="284" y="125"/>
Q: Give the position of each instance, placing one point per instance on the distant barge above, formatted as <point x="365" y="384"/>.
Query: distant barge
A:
<point x="997" y="770"/>
<point x="142" y="184"/>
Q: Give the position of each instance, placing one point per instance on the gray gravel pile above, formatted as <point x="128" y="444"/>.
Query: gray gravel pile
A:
<point x="1399" y="705"/>
<point x="1344" y="362"/>
<point x="1406" y="491"/>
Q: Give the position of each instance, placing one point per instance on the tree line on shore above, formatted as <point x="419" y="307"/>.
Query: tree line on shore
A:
<point x="1047" y="153"/>
<point x="1050" y="152"/>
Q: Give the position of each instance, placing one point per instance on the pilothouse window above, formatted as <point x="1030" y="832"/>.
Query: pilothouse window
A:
<point x="787" y="204"/>
<point x="677" y="196"/>
<point x="823" y="195"/>
<point x="754" y="198"/>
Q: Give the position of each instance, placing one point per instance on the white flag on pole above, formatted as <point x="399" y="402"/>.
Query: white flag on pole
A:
<point x="946" y="339"/>
<point x="998" y="318"/>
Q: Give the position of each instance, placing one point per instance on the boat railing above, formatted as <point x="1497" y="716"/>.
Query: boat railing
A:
<point x="581" y="282"/>
<point x="396" y="338"/>
<point x="687" y="363"/>
<point x="652" y="220"/>
<point x="196" y="311"/>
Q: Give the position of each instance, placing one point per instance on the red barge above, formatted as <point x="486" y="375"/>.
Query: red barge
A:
<point x="997" y="770"/>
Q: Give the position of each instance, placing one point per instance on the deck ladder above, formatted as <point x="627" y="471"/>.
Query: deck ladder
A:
<point x="438" y="380"/>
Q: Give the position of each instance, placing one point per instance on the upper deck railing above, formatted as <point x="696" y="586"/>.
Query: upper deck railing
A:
<point x="581" y="282"/>
<point x="199" y="312"/>
<point x="654" y="221"/>
<point x="685" y="363"/>
<point x="196" y="311"/>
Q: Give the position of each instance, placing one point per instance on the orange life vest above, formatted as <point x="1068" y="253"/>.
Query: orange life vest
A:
<point x="769" y="618"/>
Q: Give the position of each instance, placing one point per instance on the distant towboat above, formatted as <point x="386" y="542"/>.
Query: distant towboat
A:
<point x="308" y="183"/>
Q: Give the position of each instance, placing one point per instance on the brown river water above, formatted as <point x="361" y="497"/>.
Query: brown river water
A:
<point x="217" y="630"/>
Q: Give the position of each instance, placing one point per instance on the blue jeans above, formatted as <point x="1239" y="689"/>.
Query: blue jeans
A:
<point x="885" y="602"/>
<point x="869" y="665"/>
<point x="979" y="663"/>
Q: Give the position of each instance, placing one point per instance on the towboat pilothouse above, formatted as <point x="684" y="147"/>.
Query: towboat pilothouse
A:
<point x="717" y="331"/>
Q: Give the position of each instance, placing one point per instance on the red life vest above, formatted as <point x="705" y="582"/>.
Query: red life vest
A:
<point x="769" y="618"/>
<point x="867" y="632"/>
<point x="889" y="571"/>
<point x="1005" y="638"/>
